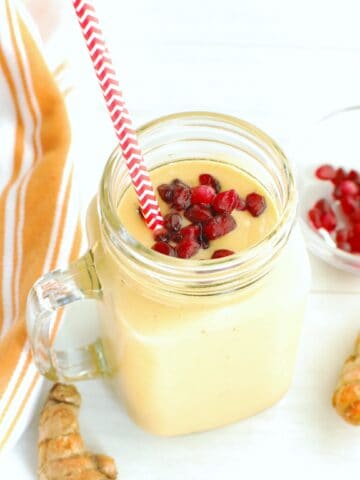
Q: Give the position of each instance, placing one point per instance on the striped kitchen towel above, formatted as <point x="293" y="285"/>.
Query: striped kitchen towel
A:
<point x="39" y="227"/>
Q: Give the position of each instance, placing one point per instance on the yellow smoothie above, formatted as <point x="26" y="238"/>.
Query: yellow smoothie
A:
<point x="249" y="231"/>
<point x="184" y="363"/>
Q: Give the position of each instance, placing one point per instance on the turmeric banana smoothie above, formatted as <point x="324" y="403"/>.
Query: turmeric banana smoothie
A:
<point x="184" y="360"/>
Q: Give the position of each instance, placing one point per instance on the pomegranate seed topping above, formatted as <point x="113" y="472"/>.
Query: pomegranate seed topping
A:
<point x="219" y="226"/>
<point x="209" y="211"/>
<point x="225" y="202"/>
<point x="204" y="241"/>
<point x="164" y="248"/>
<point x="166" y="192"/>
<point x="198" y="213"/>
<point x="172" y="222"/>
<point x="162" y="236"/>
<point x="181" y="196"/>
<point x="191" y="231"/>
<point x="178" y="182"/>
<point x="175" y="237"/>
<point x="347" y="187"/>
<point x="340" y="175"/>
<point x="187" y="248"/>
<point x="207" y="179"/>
<point x="222" y="253"/>
<point x="255" y="204"/>
<point x="325" y="172"/>
<point x="241" y="204"/>
<point x="315" y="217"/>
<point x="202" y="194"/>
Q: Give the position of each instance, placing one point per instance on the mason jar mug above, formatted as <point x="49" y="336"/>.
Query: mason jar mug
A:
<point x="188" y="345"/>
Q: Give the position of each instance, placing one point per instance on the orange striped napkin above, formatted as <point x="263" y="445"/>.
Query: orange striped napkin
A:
<point x="39" y="229"/>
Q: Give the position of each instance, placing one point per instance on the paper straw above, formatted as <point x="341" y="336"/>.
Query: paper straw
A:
<point x="119" y="114"/>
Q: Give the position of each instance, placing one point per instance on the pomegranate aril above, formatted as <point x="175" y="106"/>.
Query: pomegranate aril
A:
<point x="354" y="242"/>
<point x="315" y="217"/>
<point x="190" y="231"/>
<point x="322" y="215"/>
<point x="173" y="222"/>
<point x="207" y="179"/>
<point x="240" y="204"/>
<point x="198" y="213"/>
<point x="219" y="226"/>
<point x="225" y="202"/>
<point x="178" y="182"/>
<point x="222" y="253"/>
<point x="340" y="175"/>
<point x="164" y="248"/>
<point x="325" y="172"/>
<point x="181" y="197"/>
<point x="166" y="192"/>
<point x="349" y="204"/>
<point x="347" y="190"/>
<point x="355" y="230"/>
<point x="354" y="176"/>
<point x="202" y="194"/>
<point x="187" y="248"/>
<point x="323" y="205"/>
<point x="255" y="204"/>
<point x="355" y="217"/>
<point x="328" y="221"/>
<point x="347" y="187"/>
<point x="162" y="236"/>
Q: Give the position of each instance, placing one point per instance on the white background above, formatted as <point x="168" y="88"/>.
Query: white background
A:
<point x="282" y="65"/>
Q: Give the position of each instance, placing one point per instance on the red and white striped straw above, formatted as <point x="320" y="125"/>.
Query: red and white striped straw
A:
<point x="119" y="114"/>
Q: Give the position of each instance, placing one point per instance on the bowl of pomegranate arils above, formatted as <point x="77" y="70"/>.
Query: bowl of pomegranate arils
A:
<point x="330" y="213"/>
<point x="330" y="189"/>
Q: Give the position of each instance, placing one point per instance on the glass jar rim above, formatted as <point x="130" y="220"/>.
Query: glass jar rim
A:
<point x="119" y="236"/>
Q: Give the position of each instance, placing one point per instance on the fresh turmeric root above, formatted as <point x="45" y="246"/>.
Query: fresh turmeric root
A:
<point x="346" y="398"/>
<point x="62" y="454"/>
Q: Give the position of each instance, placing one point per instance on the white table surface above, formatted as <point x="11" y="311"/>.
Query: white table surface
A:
<point x="280" y="65"/>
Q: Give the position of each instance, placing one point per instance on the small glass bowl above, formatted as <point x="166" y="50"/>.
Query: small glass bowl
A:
<point x="334" y="140"/>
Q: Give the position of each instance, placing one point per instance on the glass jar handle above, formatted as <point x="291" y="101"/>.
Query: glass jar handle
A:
<point x="46" y="298"/>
